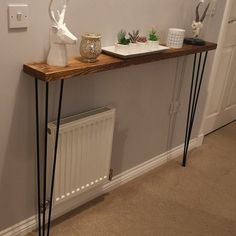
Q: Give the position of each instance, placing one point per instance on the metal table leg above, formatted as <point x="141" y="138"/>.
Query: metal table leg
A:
<point x="38" y="156"/>
<point x="44" y="203"/>
<point x="193" y="100"/>
<point x="55" y="157"/>
<point x="45" y="157"/>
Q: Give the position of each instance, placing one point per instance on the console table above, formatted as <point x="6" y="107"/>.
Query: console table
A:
<point x="47" y="74"/>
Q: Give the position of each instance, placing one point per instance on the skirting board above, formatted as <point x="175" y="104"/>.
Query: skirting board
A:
<point x="30" y="224"/>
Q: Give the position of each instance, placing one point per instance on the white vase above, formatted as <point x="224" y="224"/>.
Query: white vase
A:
<point x="120" y="48"/>
<point x="134" y="47"/>
<point x="175" y="38"/>
<point x="143" y="47"/>
<point x="153" y="45"/>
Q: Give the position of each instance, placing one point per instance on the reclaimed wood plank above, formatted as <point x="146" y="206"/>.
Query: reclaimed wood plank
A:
<point x="78" y="68"/>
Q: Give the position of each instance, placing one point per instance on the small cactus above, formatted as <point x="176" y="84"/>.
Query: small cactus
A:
<point x="134" y="36"/>
<point x="153" y="35"/>
<point x="122" y="38"/>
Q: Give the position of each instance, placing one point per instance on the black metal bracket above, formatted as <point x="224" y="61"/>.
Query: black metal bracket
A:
<point x="42" y="209"/>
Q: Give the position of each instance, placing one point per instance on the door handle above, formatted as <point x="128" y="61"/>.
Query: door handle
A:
<point x="232" y="20"/>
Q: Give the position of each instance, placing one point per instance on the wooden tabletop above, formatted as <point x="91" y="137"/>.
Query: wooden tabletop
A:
<point x="76" y="67"/>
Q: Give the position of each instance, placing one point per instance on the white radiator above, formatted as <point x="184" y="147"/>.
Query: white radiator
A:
<point x="84" y="152"/>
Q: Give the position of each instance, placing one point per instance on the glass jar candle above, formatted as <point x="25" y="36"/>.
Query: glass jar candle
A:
<point x="90" y="47"/>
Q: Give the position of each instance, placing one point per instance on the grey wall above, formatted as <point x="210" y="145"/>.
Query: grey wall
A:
<point x="141" y="94"/>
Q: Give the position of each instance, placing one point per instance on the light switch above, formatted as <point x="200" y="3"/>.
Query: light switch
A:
<point x="18" y="16"/>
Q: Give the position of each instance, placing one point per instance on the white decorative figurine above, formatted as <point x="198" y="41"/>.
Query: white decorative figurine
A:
<point x="197" y="26"/>
<point x="60" y="37"/>
<point x="198" y="23"/>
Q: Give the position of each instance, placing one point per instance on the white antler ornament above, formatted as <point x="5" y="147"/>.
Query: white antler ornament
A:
<point x="60" y="37"/>
<point x="198" y="23"/>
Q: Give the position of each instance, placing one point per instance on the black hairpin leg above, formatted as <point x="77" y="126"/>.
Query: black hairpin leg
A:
<point x="193" y="100"/>
<point x="38" y="156"/>
<point x="42" y="204"/>
<point x="55" y="157"/>
<point x="45" y="157"/>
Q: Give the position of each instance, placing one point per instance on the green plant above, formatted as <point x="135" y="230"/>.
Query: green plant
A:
<point x="153" y="35"/>
<point x="134" y="36"/>
<point x="122" y="38"/>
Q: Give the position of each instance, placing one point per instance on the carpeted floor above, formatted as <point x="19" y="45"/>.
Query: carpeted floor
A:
<point x="199" y="200"/>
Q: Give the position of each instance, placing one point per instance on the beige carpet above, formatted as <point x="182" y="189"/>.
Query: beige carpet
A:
<point x="199" y="200"/>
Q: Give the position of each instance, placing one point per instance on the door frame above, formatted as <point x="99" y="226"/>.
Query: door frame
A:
<point x="216" y="62"/>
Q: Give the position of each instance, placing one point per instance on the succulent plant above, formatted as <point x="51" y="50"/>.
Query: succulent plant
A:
<point x="142" y="39"/>
<point x="122" y="38"/>
<point x="153" y="35"/>
<point x="134" y="36"/>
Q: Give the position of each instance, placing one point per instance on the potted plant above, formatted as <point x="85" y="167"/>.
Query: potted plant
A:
<point x="153" y="38"/>
<point x="143" y="42"/>
<point x="123" y="42"/>
<point x="134" y="40"/>
<point x="134" y="36"/>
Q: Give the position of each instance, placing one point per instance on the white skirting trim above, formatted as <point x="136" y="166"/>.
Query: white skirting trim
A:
<point x="20" y="229"/>
<point x="30" y="224"/>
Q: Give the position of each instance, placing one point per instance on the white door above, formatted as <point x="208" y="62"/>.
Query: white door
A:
<point x="221" y="108"/>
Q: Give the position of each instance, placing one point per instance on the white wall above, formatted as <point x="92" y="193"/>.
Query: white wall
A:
<point x="141" y="94"/>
